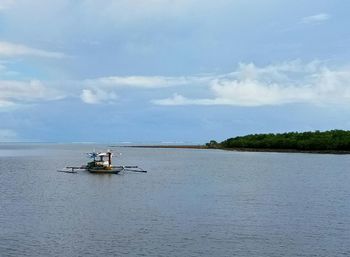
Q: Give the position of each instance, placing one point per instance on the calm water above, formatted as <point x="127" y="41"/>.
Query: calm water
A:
<point x="190" y="203"/>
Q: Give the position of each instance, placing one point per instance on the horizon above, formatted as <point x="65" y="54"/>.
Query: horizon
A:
<point x="153" y="143"/>
<point x="171" y="71"/>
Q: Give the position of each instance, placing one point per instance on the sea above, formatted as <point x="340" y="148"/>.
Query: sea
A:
<point x="191" y="202"/>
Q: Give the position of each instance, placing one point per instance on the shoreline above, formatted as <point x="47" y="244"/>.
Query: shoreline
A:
<point x="201" y="147"/>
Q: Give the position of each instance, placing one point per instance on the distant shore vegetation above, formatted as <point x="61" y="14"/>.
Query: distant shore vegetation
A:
<point x="333" y="140"/>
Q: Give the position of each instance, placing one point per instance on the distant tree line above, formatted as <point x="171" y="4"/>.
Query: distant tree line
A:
<point x="338" y="140"/>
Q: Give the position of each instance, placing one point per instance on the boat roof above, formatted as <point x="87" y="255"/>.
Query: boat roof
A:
<point x="99" y="154"/>
<point x="102" y="154"/>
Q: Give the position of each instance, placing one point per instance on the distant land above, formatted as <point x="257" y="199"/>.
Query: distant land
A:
<point x="332" y="141"/>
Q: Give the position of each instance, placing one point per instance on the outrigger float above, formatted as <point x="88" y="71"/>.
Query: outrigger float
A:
<point x="101" y="164"/>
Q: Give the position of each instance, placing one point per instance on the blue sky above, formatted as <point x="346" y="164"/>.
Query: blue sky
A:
<point x="183" y="71"/>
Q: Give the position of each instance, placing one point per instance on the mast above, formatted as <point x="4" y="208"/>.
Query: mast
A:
<point x="109" y="158"/>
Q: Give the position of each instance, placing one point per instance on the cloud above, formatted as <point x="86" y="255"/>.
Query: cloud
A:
<point x="316" y="19"/>
<point x="291" y="82"/>
<point x="8" y="49"/>
<point x="249" y="85"/>
<point x="145" y="81"/>
<point x="14" y="92"/>
<point x="6" y="104"/>
<point x="101" y="90"/>
<point x="243" y="93"/>
<point x="96" y="96"/>
<point x="178" y="99"/>
<point x="92" y="91"/>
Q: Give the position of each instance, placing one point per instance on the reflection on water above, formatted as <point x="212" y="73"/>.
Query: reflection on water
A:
<point x="190" y="203"/>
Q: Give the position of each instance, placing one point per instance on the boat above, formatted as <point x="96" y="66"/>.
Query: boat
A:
<point x="101" y="164"/>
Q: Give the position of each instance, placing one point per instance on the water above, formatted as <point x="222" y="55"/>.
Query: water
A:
<point x="190" y="203"/>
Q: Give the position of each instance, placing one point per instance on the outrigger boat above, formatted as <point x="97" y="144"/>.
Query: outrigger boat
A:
<point x="101" y="164"/>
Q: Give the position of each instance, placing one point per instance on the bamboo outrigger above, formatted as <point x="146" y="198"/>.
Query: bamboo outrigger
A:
<point x="101" y="164"/>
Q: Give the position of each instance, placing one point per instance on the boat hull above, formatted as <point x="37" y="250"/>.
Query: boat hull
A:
<point x="105" y="171"/>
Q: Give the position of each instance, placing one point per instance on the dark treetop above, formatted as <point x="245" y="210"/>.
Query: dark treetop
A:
<point x="333" y="140"/>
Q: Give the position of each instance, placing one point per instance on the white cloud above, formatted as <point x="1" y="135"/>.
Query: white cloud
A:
<point x="175" y="100"/>
<point x="6" y="104"/>
<point x="96" y="96"/>
<point x="316" y="19"/>
<point x="17" y="92"/>
<point x="178" y="99"/>
<point x="256" y="93"/>
<point x="8" y="49"/>
<point x="27" y="90"/>
<point x="248" y="85"/>
<point x="144" y="81"/>
<point x="292" y="82"/>
<point x="100" y="90"/>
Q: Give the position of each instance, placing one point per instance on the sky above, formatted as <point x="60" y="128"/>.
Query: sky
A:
<point x="171" y="71"/>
